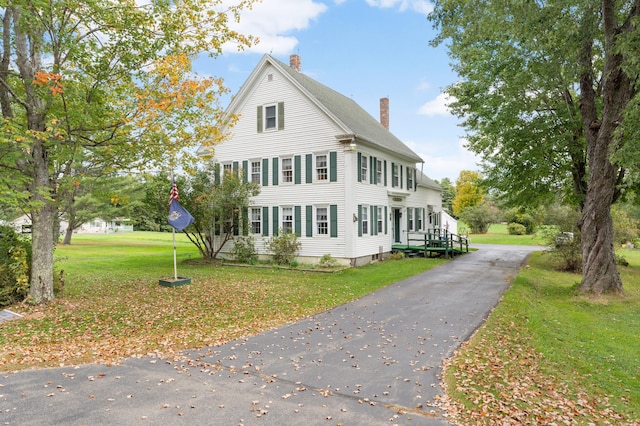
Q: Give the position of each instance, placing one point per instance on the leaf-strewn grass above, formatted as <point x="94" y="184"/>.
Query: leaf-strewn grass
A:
<point x="114" y="307"/>
<point x="498" y="234"/>
<point x="548" y="355"/>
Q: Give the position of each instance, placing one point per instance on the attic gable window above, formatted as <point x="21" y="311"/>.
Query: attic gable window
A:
<point x="270" y="117"/>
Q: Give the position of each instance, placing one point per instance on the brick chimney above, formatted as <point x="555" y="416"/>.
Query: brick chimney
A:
<point x="384" y="112"/>
<point x="294" y="62"/>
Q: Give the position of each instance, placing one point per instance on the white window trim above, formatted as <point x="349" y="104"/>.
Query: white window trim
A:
<point x="316" y="222"/>
<point x="365" y="219"/>
<point x="251" y="221"/>
<point x="264" y="117"/>
<point x="315" y="167"/>
<point x="282" y="170"/>
<point x="364" y="168"/>
<point x="250" y="171"/>
<point x="293" y="218"/>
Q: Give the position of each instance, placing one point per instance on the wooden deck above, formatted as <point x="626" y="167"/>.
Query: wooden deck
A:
<point x="433" y="242"/>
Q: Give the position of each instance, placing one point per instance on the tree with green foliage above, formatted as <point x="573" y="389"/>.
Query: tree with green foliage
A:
<point x="549" y="96"/>
<point x="108" y="83"/>
<point x="469" y="193"/>
<point x="448" y="194"/>
<point x="479" y="217"/>
<point x="219" y="204"/>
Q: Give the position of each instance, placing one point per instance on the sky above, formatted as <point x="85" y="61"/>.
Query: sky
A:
<point x="366" y="50"/>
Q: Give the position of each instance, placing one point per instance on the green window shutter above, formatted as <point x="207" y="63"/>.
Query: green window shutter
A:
<point x="297" y="220"/>
<point x="333" y="166"/>
<point x="245" y="171"/>
<point x="386" y="221"/>
<point x="216" y="171"/>
<point x="309" y="220"/>
<point x="245" y="222"/>
<point x="393" y="174"/>
<point x="265" y="171"/>
<point x="333" y="220"/>
<point x="358" y="170"/>
<point x="385" y="172"/>
<point x="408" y="219"/>
<point x="308" y="166"/>
<point x="400" y="169"/>
<point x="280" y="115"/>
<point x="374" y="168"/>
<point x="359" y="220"/>
<point x="415" y="179"/>
<point x="408" y="178"/>
<point x="371" y="175"/>
<point x="235" y="168"/>
<point x="265" y="221"/>
<point x="260" y="123"/>
<point x="373" y="223"/>
<point x="275" y="171"/>
<point x="276" y="222"/>
<point x="297" y="172"/>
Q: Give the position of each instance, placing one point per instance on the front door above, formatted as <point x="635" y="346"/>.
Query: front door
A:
<point x="396" y="225"/>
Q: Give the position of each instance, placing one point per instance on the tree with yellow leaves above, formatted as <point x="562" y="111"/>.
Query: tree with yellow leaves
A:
<point x="106" y="83"/>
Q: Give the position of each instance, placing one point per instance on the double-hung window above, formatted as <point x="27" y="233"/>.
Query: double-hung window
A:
<point x="287" y="220"/>
<point x="255" y="213"/>
<point x="255" y="171"/>
<point x="395" y="175"/>
<point x="380" y="218"/>
<point x="365" y="219"/>
<point x="322" y="170"/>
<point x="322" y="221"/>
<point x="410" y="178"/>
<point x="409" y="219"/>
<point x="287" y="170"/>
<point x="379" y="171"/>
<point x="363" y="169"/>
<point x="270" y="117"/>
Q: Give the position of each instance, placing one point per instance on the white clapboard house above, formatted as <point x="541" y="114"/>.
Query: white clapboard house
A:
<point x="328" y="171"/>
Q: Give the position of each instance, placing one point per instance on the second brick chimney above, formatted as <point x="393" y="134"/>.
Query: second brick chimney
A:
<point x="294" y="62"/>
<point x="384" y="112"/>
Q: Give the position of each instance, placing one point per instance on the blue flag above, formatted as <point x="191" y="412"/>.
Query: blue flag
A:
<point x="179" y="217"/>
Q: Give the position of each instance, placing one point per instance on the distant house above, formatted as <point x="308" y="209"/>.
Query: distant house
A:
<point x="99" y="225"/>
<point x="22" y="224"/>
<point x="328" y="171"/>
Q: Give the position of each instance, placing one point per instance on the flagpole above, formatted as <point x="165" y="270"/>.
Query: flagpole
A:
<point x="173" y="234"/>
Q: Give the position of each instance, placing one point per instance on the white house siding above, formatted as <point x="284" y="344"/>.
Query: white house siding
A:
<point x="306" y="131"/>
<point x="309" y="129"/>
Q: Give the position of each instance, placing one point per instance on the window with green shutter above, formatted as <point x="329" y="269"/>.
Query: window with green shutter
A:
<point x="275" y="171"/>
<point x="276" y="220"/>
<point x="333" y="166"/>
<point x="297" y="219"/>
<point x="265" y="172"/>
<point x="265" y="221"/>
<point x="308" y="214"/>
<point x="333" y="220"/>
<point x="308" y="168"/>
<point x="297" y="170"/>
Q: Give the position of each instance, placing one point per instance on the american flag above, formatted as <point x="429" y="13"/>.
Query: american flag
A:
<point x="173" y="195"/>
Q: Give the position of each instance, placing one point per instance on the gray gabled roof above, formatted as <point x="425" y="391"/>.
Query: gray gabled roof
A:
<point x="426" y="181"/>
<point x="348" y="113"/>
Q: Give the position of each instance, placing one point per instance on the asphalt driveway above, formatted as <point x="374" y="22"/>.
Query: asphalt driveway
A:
<point x="375" y="361"/>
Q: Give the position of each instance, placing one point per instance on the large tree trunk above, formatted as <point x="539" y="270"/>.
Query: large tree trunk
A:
<point x="599" y="270"/>
<point x="42" y="230"/>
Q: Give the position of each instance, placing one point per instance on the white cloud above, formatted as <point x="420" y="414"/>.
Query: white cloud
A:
<point x="420" y="6"/>
<point x="437" y="106"/>
<point x="440" y="163"/>
<point x="271" y="20"/>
